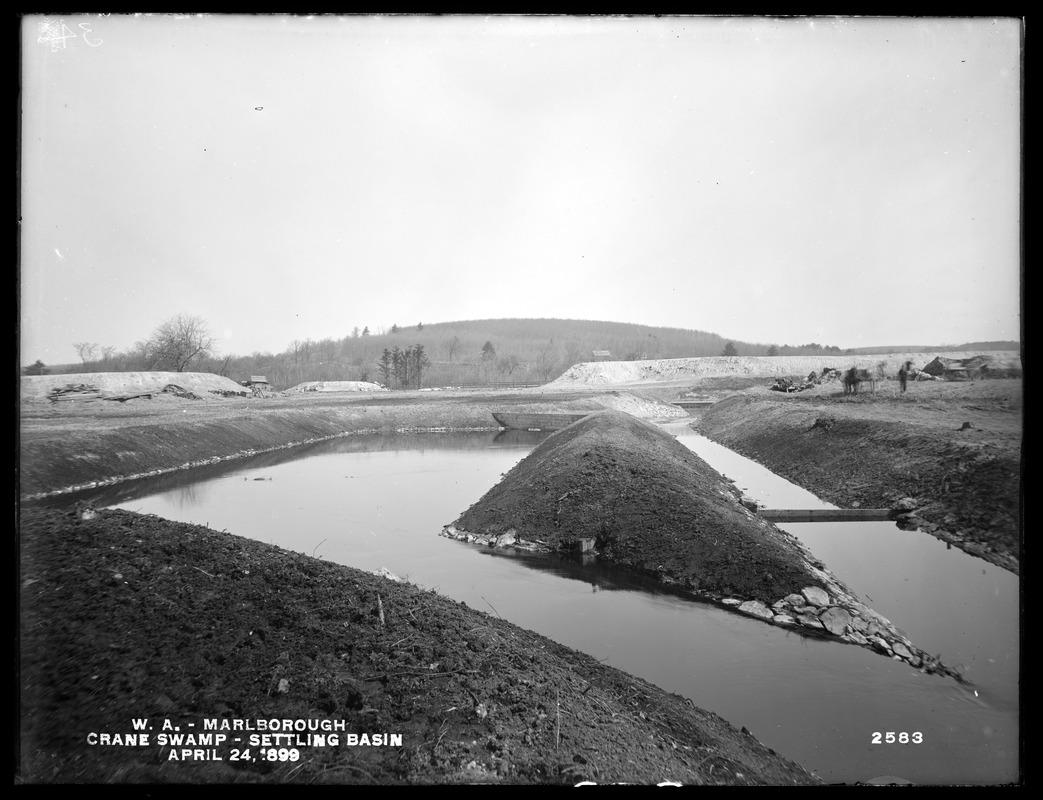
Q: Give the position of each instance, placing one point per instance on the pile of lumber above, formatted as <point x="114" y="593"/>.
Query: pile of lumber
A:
<point x="180" y="391"/>
<point x="74" y="391"/>
<point x="88" y="391"/>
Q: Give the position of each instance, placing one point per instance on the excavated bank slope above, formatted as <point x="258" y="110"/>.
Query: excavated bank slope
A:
<point x="647" y="502"/>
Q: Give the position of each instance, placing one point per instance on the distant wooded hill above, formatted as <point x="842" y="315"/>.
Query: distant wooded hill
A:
<point x="496" y="350"/>
<point x="478" y="351"/>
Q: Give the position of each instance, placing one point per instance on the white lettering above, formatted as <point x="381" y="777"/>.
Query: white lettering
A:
<point x="118" y="739"/>
<point x="191" y="739"/>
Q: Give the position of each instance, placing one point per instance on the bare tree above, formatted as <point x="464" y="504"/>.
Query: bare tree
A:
<point x="450" y="346"/>
<point x="179" y="341"/>
<point x="295" y="350"/>
<point x="508" y="364"/>
<point x="87" y="351"/>
<point x="546" y="357"/>
<point x="326" y="349"/>
<point x="139" y="357"/>
<point x="573" y="354"/>
<point x="358" y="361"/>
<point x="225" y="367"/>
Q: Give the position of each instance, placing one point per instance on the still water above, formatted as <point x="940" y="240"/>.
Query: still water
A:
<point x="372" y="502"/>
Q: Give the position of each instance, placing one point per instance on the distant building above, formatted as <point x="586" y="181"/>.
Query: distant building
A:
<point x="602" y="355"/>
<point x="258" y="381"/>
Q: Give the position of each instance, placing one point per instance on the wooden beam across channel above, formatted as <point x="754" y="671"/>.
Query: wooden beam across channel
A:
<point x="827" y="514"/>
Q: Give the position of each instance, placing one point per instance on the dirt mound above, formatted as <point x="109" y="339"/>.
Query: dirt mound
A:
<point x="687" y="369"/>
<point x="631" y="493"/>
<point x="646" y="502"/>
<point x="127" y="616"/>
<point x="37" y="388"/>
<point x="641" y="407"/>
<point x="337" y="386"/>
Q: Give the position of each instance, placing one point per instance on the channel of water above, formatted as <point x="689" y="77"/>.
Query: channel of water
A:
<point x="372" y="502"/>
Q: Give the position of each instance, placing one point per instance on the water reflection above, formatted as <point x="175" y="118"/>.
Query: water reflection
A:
<point x="586" y="569"/>
<point x="192" y="494"/>
<point x="515" y="437"/>
<point x="190" y="480"/>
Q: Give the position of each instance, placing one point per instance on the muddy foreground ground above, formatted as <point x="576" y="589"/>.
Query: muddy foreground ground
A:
<point x="125" y="616"/>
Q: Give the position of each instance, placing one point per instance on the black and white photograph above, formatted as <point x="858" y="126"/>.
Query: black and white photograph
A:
<point x="519" y="399"/>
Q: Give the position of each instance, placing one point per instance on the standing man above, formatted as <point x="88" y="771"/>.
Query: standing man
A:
<point x="903" y="374"/>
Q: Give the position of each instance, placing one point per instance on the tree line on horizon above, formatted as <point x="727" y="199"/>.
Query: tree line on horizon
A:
<point x="414" y="356"/>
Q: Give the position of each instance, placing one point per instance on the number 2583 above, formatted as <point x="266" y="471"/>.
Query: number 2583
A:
<point x="902" y="737"/>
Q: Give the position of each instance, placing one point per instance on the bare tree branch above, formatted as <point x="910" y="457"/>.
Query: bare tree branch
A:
<point x="178" y="342"/>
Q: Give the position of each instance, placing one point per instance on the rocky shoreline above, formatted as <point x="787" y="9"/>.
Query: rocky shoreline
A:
<point x="833" y="614"/>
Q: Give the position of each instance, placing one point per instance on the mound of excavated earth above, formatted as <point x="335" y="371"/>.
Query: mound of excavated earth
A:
<point x="644" y="501"/>
<point x="40" y="387"/>
<point x="638" y="498"/>
<point x="627" y="402"/>
<point x="337" y="386"/>
<point x="687" y="369"/>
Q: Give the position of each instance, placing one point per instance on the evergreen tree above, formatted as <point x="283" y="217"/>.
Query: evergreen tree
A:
<point x="385" y="366"/>
<point x="420" y="363"/>
<point x="398" y="365"/>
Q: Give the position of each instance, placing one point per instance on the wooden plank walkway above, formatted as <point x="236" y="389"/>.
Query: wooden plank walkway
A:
<point x="826" y="514"/>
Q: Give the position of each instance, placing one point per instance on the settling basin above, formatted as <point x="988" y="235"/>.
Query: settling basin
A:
<point x="371" y="502"/>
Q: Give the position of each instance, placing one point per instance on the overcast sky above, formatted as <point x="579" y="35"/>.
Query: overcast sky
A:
<point x="845" y="181"/>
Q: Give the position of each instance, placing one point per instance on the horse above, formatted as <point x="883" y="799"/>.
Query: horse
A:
<point x="854" y="377"/>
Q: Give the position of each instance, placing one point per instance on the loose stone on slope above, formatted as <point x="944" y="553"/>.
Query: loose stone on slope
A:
<point x="755" y="608"/>
<point x="815" y="596"/>
<point x="835" y="620"/>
